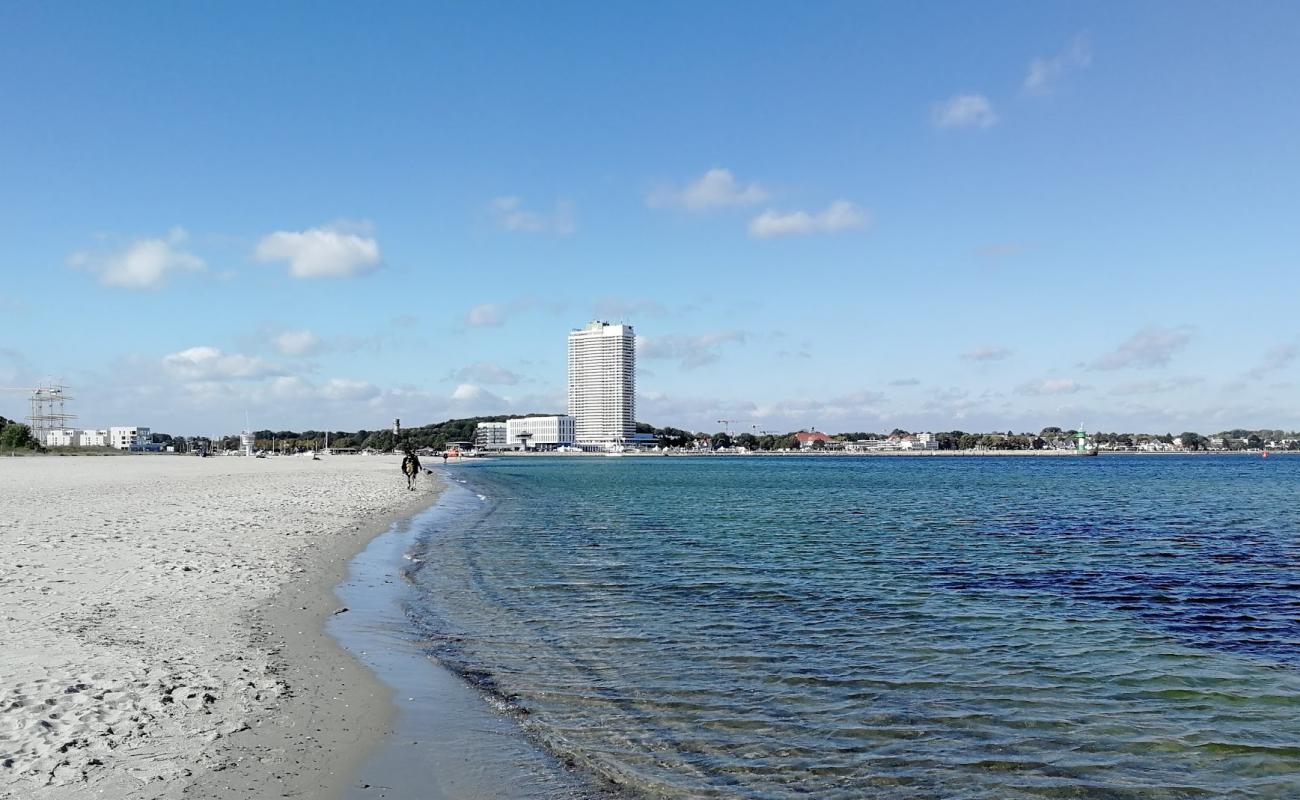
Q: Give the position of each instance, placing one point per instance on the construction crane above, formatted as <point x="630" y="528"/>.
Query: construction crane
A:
<point x="727" y="423"/>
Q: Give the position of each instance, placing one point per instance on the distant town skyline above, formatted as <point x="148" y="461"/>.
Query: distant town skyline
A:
<point x="847" y="217"/>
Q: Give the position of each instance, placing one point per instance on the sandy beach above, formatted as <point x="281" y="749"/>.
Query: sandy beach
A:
<point x="163" y="624"/>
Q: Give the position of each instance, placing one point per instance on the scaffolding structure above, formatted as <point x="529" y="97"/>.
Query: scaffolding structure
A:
<point x="48" y="410"/>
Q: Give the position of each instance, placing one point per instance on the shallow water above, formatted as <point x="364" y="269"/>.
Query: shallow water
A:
<point x="1120" y="627"/>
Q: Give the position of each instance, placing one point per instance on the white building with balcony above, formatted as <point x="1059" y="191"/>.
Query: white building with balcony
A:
<point x="920" y="441"/>
<point x="539" y="433"/>
<point x="62" y="437"/>
<point x="94" y="438"/>
<point x="126" y="438"/>
<point x="602" y="384"/>
<point x="490" y="436"/>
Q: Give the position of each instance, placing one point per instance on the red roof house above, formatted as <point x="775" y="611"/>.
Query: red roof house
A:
<point x="806" y="438"/>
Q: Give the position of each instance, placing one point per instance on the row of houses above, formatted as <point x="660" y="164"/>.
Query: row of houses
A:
<point x="120" y="437"/>
<point x="920" y="441"/>
<point x="1211" y="443"/>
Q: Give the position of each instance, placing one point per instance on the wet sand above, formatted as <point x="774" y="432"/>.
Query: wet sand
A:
<point x="447" y="740"/>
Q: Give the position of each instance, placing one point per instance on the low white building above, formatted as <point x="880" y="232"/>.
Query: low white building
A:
<point x="94" y="438"/>
<point x="920" y="441"/>
<point x="1154" y="446"/>
<point x="539" y="433"/>
<point x="62" y="437"/>
<point x="125" y="438"/>
<point x="490" y="436"/>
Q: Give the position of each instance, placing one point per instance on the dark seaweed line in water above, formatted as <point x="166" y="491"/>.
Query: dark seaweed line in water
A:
<point x="1258" y="617"/>
<point x="953" y="571"/>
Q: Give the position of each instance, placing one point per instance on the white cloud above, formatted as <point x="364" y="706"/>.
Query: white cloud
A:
<point x="291" y="387"/>
<point x="965" y="111"/>
<point x="1150" y="347"/>
<point x="144" y="264"/>
<point x="210" y="364"/>
<point x="466" y="391"/>
<point x="1052" y="386"/>
<point x="838" y="216"/>
<point x="986" y="354"/>
<point x="689" y="351"/>
<point x="298" y="343"/>
<point x="512" y="216"/>
<point x="805" y="412"/>
<point x="333" y="251"/>
<point x="347" y="390"/>
<point x="484" y="372"/>
<point x="716" y="188"/>
<point x="1044" y="72"/>
<point x="486" y="314"/>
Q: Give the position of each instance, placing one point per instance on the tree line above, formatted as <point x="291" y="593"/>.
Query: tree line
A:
<point x="439" y="435"/>
<point x="436" y="436"/>
<point x="1049" y="437"/>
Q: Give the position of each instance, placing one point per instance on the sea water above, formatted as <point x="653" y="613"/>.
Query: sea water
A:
<point x="1113" y="627"/>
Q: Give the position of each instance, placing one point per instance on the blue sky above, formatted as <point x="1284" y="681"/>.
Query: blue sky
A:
<point x="848" y="216"/>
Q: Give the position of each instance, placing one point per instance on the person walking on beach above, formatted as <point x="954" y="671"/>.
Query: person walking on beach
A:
<point x="410" y="467"/>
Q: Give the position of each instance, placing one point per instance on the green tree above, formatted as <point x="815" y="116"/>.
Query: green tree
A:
<point x="720" y="440"/>
<point x="949" y="440"/>
<point x="748" y="441"/>
<point x="1191" y="441"/>
<point x="17" y="436"/>
<point x="673" y="437"/>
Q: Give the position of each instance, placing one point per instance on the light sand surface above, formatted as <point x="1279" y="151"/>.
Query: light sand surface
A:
<point x="160" y="624"/>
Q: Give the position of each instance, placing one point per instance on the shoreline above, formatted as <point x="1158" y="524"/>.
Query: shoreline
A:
<point x="170" y="613"/>
<point x="341" y="710"/>
<point x="445" y="737"/>
<point x="886" y="454"/>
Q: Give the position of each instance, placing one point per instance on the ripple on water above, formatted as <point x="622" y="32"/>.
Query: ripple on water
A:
<point x="972" y="628"/>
